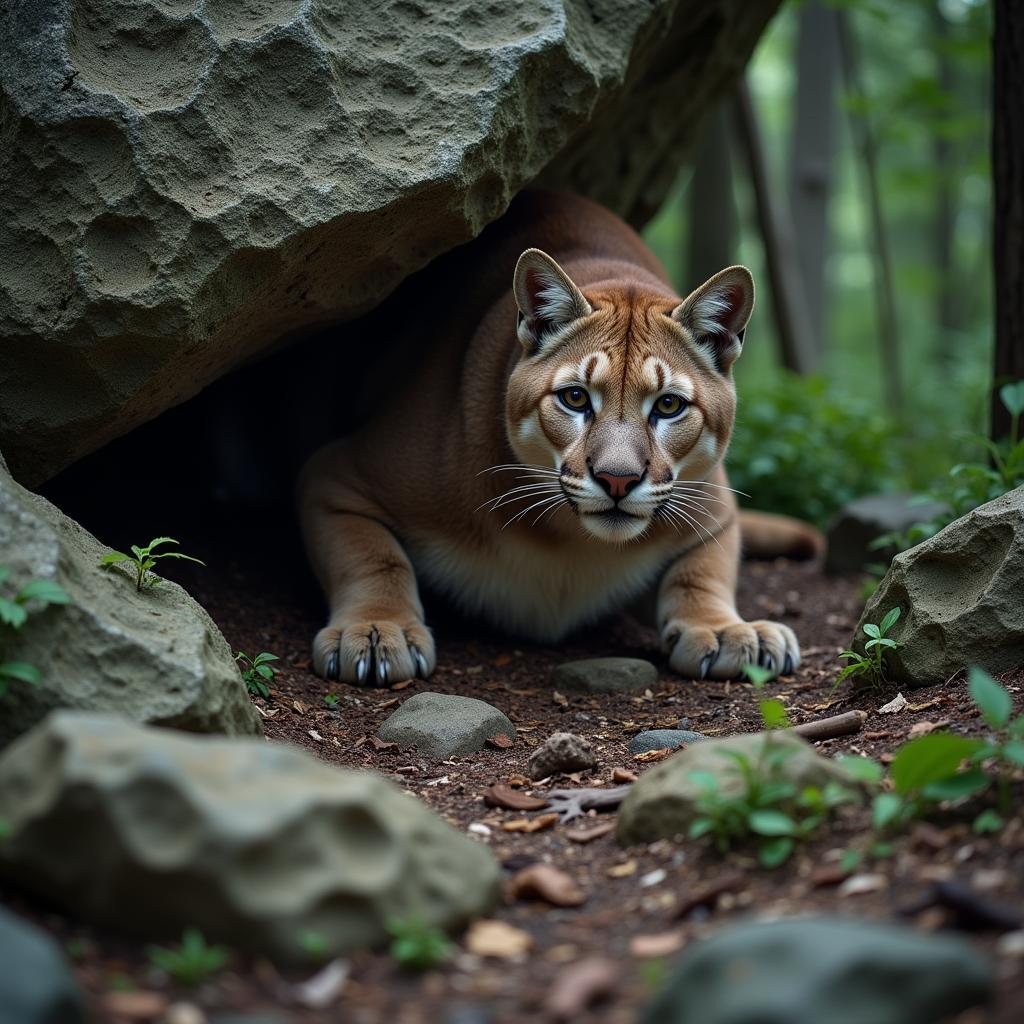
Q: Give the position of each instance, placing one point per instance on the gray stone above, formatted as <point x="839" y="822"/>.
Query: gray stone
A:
<point x="825" y="970"/>
<point x="255" y="844"/>
<point x="960" y="595"/>
<point x="604" y="675"/>
<point x="36" y="986"/>
<point x="154" y="657"/>
<point x="561" y="752"/>
<point x="186" y="182"/>
<point x="442" y="725"/>
<point x="857" y="524"/>
<point x="663" y="801"/>
<point x="659" y="739"/>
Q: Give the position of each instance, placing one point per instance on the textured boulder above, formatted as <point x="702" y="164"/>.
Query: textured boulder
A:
<point x="961" y="597"/>
<point x="660" y="739"/>
<point x="154" y="657"/>
<point x="561" y="752"/>
<point x="604" y="675"/>
<point x="663" y="801"/>
<point x="186" y="181"/>
<point x="36" y="985"/>
<point x="442" y="725"/>
<point x="857" y="524"/>
<point x="827" y="970"/>
<point x="255" y="844"/>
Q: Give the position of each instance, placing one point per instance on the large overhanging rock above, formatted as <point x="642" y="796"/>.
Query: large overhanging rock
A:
<point x="183" y="182"/>
<point x="154" y="657"/>
<point x="961" y="597"/>
<point x="258" y="845"/>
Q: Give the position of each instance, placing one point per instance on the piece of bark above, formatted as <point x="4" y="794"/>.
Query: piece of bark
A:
<point x="546" y="882"/>
<point x="537" y="824"/>
<point x="512" y="800"/>
<point x="580" y="986"/>
<point x="829" y="728"/>
<point x="623" y="776"/>
<point x="588" y="835"/>
<point x="572" y="803"/>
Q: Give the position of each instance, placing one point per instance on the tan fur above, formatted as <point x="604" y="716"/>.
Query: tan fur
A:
<point x="416" y="496"/>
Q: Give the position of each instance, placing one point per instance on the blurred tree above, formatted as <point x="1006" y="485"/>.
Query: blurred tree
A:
<point x="1008" y="178"/>
<point x="714" y="230"/>
<point x="812" y="147"/>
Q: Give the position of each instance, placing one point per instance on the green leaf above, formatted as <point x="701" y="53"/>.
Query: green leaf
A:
<point x="774" y="852"/>
<point x="700" y="827"/>
<point x="863" y="769"/>
<point x="265" y="656"/>
<point x="885" y="809"/>
<point x="1013" y="751"/>
<point x="956" y="786"/>
<point x="12" y="614"/>
<point x="929" y="759"/>
<point x="113" y="557"/>
<point x="882" y="641"/>
<point x="707" y="781"/>
<point x="988" y="821"/>
<point x="4" y="573"/>
<point x="870" y="629"/>
<point x="850" y="860"/>
<point x="157" y="542"/>
<point x="265" y="670"/>
<point x="771" y="823"/>
<point x="1012" y="396"/>
<point x="178" y="554"/>
<point x="992" y="700"/>
<point x="1016" y="727"/>
<point x="890" y="620"/>
<point x="757" y="674"/>
<point x="773" y="713"/>
<point x="139" y="553"/>
<point x="47" y="591"/>
<point x="21" y="670"/>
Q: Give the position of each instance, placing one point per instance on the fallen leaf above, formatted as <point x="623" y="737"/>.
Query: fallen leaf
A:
<point x="378" y="744"/>
<point x="302" y="663"/>
<point x="497" y="939"/>
<point x="132" y="1006"/>
<point x="403" y="685"/>
<point x="898" y="703"/>
<point x="858" y="885"/>
<point x="623" y="870"/>
<point x="442" y="781"/>
<point x="315" y="735"/>
<point x="621" y="775"/>
<point x="300" y="706"/>
<point x="707" y="896"/>
<point x="266" y="714"/>
<point x="324" y="987"/>
<point x="933" y="703"/>
<point x="587" y="835"/>
<point x="512" y="800"/>
<point x="924" y="728"/>
<point x="548" y="883"/>
<point x="829" y="874"/>
<point x="537" y="824"/>
<point x="655" y="877"/>
<point x="581" y="986"/>
<point x="387" y="704"/>
<point x="474" y="670"/>
<point x="560" y="699"/>
<point x="661" y="944"/>
<point x="500" y="740"/>
<point x="501" y="659"/>
<point x="519" y="781"/>
<point x="478" y="828"/>
<point x="653" y="755"/>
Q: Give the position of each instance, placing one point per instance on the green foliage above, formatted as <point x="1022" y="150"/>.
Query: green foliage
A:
<point x="805" y="449"/>
<point x="871" y="664"/>
<point x="416" y="945"/>
<point x="15" y="611"/>
<point x="256" y="672"/>
<point x="773" y="713"/>
<point x="314" y="945"/>
<point x="191" y="963"/>
<point x="143" y="560"/>
<point x="331" y="699"/>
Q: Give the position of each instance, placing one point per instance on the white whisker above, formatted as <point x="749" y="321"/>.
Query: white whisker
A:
<point x="693" y="522"/>
<point x="708" y="483"/>
<point x="543" y="501"/>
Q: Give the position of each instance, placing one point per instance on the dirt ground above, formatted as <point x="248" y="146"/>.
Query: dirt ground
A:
<point x="632" y="913"/>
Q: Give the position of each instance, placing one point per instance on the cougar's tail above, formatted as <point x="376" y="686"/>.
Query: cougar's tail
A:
<point x="770" y="536"/>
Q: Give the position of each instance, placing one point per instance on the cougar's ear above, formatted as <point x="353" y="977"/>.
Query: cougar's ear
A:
<point x="546" y="297"/>
<point x="716" y="314"/>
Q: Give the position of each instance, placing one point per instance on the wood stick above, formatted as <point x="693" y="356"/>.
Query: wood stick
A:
<point x="829" y="728"/>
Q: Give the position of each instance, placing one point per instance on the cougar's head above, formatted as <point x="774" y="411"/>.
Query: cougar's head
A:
<point x="624" y="391"/>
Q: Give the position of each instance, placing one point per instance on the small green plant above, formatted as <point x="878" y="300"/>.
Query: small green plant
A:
<point x="191" y="963"/>
<point x="331" y="699"/>
<point x="256" y="672"/>
<point x="417" y="946"/>
<point x="871" y="664"/>
<point x="32" y="598"/>
<point x="143" y="560"/>
<point x="314" y="945"/>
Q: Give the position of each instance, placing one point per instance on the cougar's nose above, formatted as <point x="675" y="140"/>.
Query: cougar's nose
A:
<point x="617" y="485"/>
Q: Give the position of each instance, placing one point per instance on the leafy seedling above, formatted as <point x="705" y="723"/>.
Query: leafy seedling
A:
<point x="331" y="699"/>
<point x="1005" y="748"/>
<point x="772" y="710"/>
<point x="143" y="560"/>
<point x="32" y="598"/>
<point x="871" y="664"/>
<point x="191" y="963"/>
<point x="416" y="945"/>
<point x="256" y="672"/>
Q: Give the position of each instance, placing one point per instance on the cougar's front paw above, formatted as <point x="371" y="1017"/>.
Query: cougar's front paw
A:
<point x="700" y="652"/>
<point x="374" y="653"/>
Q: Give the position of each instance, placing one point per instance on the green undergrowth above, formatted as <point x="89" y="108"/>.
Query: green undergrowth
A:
<point x="30" y="599"/>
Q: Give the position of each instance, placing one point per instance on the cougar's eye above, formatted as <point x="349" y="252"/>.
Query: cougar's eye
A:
<point x="668" y="406"/>
<point x="575" y="398"/>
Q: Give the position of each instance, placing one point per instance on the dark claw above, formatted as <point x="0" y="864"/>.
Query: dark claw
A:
<point x="331" y="668"/>
<point x="787" y="669"/>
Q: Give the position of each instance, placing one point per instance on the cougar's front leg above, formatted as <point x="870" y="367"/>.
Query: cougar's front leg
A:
<point x="702" y="632"/>
<point x="375" y="634"/>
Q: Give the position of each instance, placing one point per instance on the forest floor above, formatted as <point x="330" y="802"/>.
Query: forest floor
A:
<point x="644" y="903"/>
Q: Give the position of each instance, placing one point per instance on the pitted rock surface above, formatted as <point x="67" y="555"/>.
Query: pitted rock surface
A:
<point x="561" y="752"/>
<point x="185" y="181"/>
<point x="154" y="657"/>
<point x="961" y="597"/>
<point x="253" y="843"/>
<point x="444" y="725"/>
<point x="604" y="675"/>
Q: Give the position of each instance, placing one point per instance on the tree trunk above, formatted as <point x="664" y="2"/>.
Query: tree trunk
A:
<point x="1008" y="179"/>
<point x="790" y="307"/>
<point x="813" y="144"/>
<point x="890" y="363"/>
<point x="713" y="220"/>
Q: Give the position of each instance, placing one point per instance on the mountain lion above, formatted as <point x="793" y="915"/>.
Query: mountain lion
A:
<point x="552" y="450"/>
